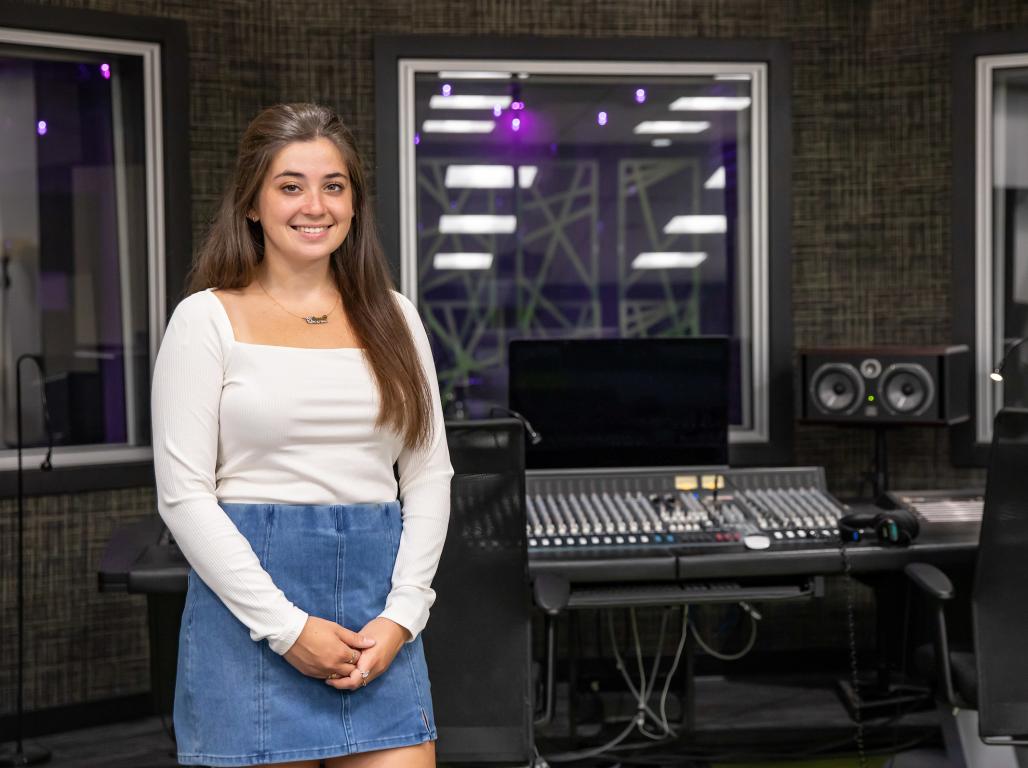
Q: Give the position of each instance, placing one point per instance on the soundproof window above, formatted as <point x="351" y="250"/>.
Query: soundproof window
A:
<point x="81" y="243"/>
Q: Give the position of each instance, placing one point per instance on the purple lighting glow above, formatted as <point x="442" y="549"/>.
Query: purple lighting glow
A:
<point x="517" y="105"/>
<point x="105" y="70"/>
<point x="497" y="110"/>
<point x="417" y="139"/>
<point x="640" y="95"/>
<point x="515" y="124"/>
<point x="41" y="127"/>
<point x="446" y="89"/>
<point x="601" y="118"/>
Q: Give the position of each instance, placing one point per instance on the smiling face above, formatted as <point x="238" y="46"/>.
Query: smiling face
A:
<point x="305" y="203"/>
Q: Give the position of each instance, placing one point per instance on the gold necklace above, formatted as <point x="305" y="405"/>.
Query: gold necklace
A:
<point x="309" y="319"/>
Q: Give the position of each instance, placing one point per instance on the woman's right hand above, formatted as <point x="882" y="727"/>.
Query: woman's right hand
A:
<point x="324" y="648"/>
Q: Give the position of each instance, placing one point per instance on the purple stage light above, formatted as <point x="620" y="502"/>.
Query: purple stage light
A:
<point x="105" y="70"/>
<point x="417" y="139"/>
<point x="446" y="89"/>
<point x="517" y="105"/>
<point x="515" y="124"/>
<point x="601" y="118"/>
<point x="41" y="127"/>
<point x="640" y="95"/>
<point x="497" y="110"/>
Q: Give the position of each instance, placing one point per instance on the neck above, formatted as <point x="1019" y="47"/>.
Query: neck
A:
<point x="286" y="281"/>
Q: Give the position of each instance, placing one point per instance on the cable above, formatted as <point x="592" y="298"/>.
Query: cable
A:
<point x="851" y="636"/>
<point x="728" y="656"/>
<point x="568" y="757"/>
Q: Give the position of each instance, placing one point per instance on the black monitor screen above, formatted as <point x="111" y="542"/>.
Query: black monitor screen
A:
<point x="623" y="402"/>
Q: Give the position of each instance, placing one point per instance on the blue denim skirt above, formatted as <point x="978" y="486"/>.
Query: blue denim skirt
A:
<point x="238" y="703"/>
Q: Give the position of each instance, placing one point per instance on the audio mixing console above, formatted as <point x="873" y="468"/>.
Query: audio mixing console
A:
<point x="692" y="510"/>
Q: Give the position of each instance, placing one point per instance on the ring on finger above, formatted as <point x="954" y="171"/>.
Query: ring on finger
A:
<point x="353" y="655"/>
<point x="333" y="676"/>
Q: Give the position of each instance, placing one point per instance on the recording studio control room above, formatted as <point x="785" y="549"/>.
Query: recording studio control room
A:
<point x="535" y="383"/>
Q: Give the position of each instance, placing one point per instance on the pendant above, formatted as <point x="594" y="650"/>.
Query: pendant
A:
<point x="315" y="320"/>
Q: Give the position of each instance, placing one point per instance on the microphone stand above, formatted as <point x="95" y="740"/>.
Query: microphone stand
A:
<point x="20" y="753"/>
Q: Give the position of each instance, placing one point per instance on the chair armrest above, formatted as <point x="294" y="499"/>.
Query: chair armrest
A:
<point x="937" y="586"/>
<point x="930" y="580"/>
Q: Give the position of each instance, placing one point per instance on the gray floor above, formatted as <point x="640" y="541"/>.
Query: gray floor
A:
<point x="724" y="707"/>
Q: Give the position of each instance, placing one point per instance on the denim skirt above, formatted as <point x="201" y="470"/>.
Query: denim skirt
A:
<point x="238" y="703"/>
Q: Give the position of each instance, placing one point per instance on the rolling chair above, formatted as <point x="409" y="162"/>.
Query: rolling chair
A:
<point x="478" y="643"/>
<point x="987" y="689"/>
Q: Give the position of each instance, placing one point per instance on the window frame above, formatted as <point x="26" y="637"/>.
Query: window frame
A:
<point x="976" y="56"/>
<point x="163" y="45"/>
<point x="398" y="59"/>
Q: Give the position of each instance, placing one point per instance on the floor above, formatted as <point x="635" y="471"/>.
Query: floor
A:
<point x="739" y="724"/>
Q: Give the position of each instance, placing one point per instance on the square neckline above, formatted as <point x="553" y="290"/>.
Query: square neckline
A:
<point x="236" y="342"/>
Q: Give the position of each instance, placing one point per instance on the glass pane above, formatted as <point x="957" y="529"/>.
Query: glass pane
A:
<point x="561" y="205"/>
<point x="1010" y="219"/>
<point x="74" y="249"/>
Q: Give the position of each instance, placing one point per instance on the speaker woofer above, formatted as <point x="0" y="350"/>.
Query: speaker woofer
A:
<point x="907" y="389"/>
<point x="837" y="388"/>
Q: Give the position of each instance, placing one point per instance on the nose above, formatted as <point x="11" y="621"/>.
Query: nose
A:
<point x="313" y="205"/>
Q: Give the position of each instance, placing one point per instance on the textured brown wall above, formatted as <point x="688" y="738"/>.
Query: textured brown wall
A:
<point x="871" y="224"/>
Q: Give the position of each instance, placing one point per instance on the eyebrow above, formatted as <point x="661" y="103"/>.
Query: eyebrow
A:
<point x="298" y="175"/>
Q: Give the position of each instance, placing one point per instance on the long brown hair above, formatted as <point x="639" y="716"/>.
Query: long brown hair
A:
<point x="234" y="246"/>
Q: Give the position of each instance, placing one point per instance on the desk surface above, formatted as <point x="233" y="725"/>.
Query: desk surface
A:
<point x="137" y="561"/>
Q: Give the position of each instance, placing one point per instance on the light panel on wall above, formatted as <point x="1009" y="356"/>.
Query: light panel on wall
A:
<point x="671" y="126"/>
<point x="716" y="180"/>
<point x="488" y="176"/>
<point x="454" y="224"/>
<point x="669" y="260"/>
<point x="470" y="74"/>
<point x="462" y="260"/>
<point x="710" y="103"/>
<point x="458" y="126"/>
<point x="696" y="224"/>
<point x="469" y="101"/>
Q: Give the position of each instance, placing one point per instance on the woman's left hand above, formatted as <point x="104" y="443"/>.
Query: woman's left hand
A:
<point x="389" y="639"/>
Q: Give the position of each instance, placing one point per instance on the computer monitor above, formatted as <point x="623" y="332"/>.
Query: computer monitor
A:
<point x="623" y="402"/>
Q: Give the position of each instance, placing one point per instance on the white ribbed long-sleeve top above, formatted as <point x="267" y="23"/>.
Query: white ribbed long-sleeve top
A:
<point x="256" y="423"/>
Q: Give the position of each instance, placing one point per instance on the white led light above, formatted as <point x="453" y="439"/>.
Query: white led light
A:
<point x="458" y="126"/>
<point x="470" y="74"/>
<point x="710" y="103"/>
<point x="488" y="176"/>
<point x="668" y="260"/>
<point x="671" y="126"/>
<point x="661" y="143"/>
<point x="696" y="225"/>
<point x="739" y="76"/>
<point x="462" y="260"/>
<point x="450" y="224"/>
<point x="716" y="180"/>
<point x="469" y="101"/>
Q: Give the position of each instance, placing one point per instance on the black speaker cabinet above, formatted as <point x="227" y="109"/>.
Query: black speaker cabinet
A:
<point x="885" y="385"/>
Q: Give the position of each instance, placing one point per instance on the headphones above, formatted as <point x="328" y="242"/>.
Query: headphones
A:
<point x="895" y="528"/>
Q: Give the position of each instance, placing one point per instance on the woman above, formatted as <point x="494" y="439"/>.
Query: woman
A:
<point x="287" y="386"/>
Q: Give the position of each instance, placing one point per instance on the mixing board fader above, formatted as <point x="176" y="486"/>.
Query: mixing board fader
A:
<point x="691" y="509"/>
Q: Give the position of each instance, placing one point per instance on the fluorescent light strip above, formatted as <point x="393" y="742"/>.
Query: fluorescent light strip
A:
<point x="669" y="260"/>
<point x="469" y="101"/>
<point x="488" y="176"/>
<point x="462" y="260"/>
<point x="458" y="126"/>
<point x="716" y="180"/>
<point x="671" y="126"/>
<point x="739" y="76"/>
<point x="450" y="224"/>
<point x="468" y="74"/>
<point x="696" y="225"/>
<point x="710" y="103"/>
<point x="661" y="143"/>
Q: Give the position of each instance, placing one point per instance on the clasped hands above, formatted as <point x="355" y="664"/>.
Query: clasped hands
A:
<point x="326" y="651"/>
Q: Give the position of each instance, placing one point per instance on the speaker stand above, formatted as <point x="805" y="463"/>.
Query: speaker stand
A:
<point x="880" y="472"/>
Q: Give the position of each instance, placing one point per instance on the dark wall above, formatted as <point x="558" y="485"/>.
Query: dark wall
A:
<point x="871" y="222"/>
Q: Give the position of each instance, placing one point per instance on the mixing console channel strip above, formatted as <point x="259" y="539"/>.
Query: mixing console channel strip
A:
<point x="685" y="511"/>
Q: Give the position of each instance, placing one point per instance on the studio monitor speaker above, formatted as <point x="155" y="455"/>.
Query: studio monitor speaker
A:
<point x="885" y="385"/>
